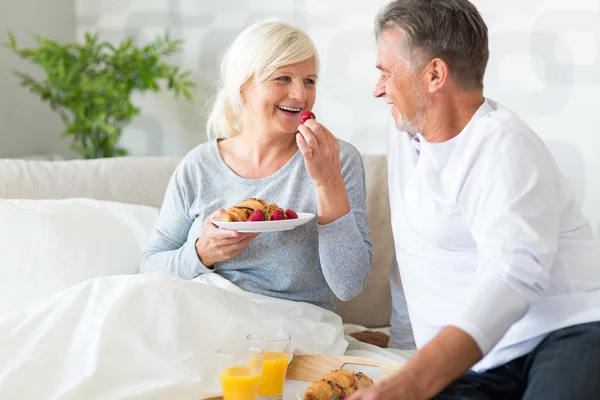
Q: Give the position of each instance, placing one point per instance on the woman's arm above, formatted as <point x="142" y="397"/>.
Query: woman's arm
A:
<point x="344" y="241"/>
<point x="345" y="248"/>
<point x="169" y="249"/>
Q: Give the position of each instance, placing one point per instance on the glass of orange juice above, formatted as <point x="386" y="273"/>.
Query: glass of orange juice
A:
<point x="240" y="372"/>
<point x="276" y="348"/>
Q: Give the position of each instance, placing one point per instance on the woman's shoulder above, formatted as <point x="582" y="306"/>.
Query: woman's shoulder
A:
<point x="200" y="156"/>
<point x="194" y="162"/>
<point x="349" y="153"/>
<point x="202" y="152"/>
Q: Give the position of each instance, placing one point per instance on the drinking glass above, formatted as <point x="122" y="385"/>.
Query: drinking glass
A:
<point x="240" y="371"/>
<point x="276" y="350"/>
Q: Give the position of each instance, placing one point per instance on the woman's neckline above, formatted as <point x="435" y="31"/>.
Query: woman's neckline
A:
<point x="228" y="171"/>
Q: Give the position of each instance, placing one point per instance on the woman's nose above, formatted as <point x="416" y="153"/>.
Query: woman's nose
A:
<point x="298" y="91"/>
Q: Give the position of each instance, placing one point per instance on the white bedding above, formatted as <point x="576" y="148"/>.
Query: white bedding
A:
<point x="126" y="336"/>
<point x="145" y="337"/>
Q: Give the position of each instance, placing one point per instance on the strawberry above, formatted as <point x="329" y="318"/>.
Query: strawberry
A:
<point x="277" y="215"/>
<point x="306" y="115"/>
<point x="291" y="214"/>
<point x="256" y="216"/>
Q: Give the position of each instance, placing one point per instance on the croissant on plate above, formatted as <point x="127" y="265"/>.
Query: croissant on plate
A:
<point x="339" y="382"/>
<point x="244" y="209"/>
<point x="237" y="214"/>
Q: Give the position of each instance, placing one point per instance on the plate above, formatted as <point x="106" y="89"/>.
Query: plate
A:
<point x="266" y="226"/>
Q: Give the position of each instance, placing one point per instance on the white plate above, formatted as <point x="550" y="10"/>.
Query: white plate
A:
<point x="266" y="226"/>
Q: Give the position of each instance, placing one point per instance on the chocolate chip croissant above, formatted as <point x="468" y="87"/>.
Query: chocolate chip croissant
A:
<point x="237" y="214"/>
<point x="340" y="382"/>
<point x="253" y="203"/>
<point x="243" y="210"/>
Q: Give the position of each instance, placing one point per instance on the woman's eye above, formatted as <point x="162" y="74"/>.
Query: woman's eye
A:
<point x="309" y="81"/>
<point x="284" y="79"/>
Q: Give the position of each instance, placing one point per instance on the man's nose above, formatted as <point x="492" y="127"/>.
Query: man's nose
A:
<point x="379" y="89"/>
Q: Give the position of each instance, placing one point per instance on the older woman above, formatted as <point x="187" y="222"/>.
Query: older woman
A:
<point x="260" y="149"/>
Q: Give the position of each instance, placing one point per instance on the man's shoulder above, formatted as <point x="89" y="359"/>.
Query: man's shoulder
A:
<point x="502" y="125"/>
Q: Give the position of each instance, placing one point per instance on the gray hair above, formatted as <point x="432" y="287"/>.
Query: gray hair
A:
<point x="452" y="30"/>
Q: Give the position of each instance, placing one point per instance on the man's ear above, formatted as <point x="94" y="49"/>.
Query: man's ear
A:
<point x="437" y="73"/>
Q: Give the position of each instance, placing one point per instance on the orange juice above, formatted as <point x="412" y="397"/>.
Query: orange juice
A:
<point x="240" y="383"/>
<point x="273" y="373"/>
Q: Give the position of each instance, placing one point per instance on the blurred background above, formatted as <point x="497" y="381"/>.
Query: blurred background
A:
<point x="545" y="65"/>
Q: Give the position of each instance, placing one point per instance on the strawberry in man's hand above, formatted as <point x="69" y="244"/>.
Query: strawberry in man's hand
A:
<point x="306" y="115"/>
<point x="256" y="216"/>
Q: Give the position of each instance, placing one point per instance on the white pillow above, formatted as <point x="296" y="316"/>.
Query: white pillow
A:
<point x="49" y="245"/>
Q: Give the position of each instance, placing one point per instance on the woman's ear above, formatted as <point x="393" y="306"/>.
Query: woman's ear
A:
<point x="244" y="90"/>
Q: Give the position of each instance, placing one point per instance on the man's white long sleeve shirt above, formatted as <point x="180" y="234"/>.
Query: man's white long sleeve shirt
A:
<point x="490" y="237"/>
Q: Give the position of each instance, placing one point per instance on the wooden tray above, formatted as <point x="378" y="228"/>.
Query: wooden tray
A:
<point x="311" y="368"/>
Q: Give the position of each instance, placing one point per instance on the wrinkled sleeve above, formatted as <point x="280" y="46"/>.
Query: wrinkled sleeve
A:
<point x="510" y="203"/>
<point x="345" y="248"/>
<point x="169" y="249"/>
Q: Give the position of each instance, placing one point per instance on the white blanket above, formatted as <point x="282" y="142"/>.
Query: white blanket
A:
<point x="145" y="337"/>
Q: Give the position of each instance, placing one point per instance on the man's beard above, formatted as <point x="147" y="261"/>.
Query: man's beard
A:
<point x="411" y="127"/>
<point x="416" y="124"/>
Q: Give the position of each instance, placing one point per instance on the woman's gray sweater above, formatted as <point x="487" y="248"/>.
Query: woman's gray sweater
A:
<point x="312" y="263"/>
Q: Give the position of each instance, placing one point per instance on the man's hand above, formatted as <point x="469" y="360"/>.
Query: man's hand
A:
<point x="378" y="339"/>
<point x="397" y="387"/>
<point x="446" y="357"/>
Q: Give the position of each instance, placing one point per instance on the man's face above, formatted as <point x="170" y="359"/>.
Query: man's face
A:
<point x="398" y="85"/>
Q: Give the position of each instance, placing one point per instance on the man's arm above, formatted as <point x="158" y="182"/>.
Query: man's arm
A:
<point x="430" y="370"/>
<point x="449" y="355"/>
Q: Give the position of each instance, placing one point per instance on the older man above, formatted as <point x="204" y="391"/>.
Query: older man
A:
<point x="499" y="266"/>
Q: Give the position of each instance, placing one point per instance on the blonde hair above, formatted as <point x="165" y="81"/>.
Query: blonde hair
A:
<point x="254" y="55"/>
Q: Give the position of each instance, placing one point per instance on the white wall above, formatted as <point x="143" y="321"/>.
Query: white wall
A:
<point x="28" y="126"/>
<point x="545" y="65"/>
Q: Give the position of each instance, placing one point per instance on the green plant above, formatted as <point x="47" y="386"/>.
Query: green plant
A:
<point x="90" y="85"/>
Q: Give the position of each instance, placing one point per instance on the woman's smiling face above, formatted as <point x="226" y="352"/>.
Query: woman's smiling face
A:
<point x="276" y="104"/>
